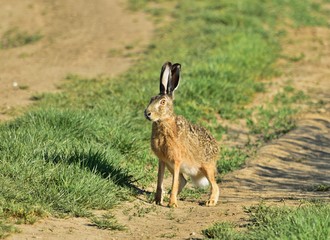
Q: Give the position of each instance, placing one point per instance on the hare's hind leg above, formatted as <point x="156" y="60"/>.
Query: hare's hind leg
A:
<point x="182" y="183"/>
<point x="210" y="172"/>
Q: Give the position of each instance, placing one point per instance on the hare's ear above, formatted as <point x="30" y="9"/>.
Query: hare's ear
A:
<point x="165" y="75"/>
<point x="175" y="78"/>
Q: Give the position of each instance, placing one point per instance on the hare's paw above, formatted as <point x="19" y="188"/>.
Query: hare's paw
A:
<point x="211" y="203"/>
<point x="173" y="205"/>
<point x="158" y="198"/>
<point x="158" y="201"/>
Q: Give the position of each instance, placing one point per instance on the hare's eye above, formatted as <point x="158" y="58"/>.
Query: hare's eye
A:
<point x="162" y="102"/>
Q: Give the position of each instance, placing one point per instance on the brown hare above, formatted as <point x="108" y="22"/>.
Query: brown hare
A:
<point x="185" y="149"/>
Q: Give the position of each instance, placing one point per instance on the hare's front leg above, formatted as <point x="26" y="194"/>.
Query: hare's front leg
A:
<point x="175" y="185"/>
<point x="182" y="180"/>
<point x="159" y="191"/>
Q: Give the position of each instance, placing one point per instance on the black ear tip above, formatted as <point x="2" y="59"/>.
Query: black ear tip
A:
<point x="168" y="63"/>
<point x="176" y="66"/>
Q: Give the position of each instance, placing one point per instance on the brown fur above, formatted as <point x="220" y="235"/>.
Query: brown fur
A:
<point x="182" y="147"/>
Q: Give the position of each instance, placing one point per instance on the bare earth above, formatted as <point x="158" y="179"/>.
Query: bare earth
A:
<point x="283" y="172"/>
<point x="87" y="38"/>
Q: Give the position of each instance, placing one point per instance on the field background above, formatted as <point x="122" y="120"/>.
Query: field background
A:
<point x="253" y="72"/>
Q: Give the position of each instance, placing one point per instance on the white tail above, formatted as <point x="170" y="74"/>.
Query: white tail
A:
<point x="201" y="182"/>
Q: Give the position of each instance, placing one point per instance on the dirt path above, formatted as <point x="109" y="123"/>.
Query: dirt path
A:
<point x="290" y="169"/>
<point x="285" y="172"/>
<point x="87" y="38"/>
<point x="293" y="168"/>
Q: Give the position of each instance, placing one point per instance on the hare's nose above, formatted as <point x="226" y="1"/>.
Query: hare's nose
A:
<point x="147" y="114"/>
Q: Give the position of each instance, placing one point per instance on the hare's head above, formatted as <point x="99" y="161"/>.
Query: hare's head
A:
<point x="161" y="105"/>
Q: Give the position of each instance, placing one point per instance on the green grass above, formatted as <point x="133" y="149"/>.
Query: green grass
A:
<point x="306" y="222"/>
<point x="6" y="229"/>
<point x="15" y="37"/>
<point x="232" y="158"/>
<point x="107" y="221"/>
<point x="83" y="148"/>
<point x="276" y="117"/>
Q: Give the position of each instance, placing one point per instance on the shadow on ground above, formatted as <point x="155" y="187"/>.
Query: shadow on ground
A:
<point x="298" y="163"/>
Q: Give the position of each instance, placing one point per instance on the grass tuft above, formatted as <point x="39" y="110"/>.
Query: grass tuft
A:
<point x="6" y="229"/>
<point x="107" y="222"/>
<point x="223" y="230"/>
<point x="277" y="117"/>
<point x="231" y="159"/>
<point x="306" y="222"/>
<point x="14" y="37"/>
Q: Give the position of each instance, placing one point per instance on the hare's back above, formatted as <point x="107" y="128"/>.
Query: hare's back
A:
<point x="198" y="141"/>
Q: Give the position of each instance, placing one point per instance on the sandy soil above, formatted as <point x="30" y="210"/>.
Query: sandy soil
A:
<point x="283" y="172"/>
<point x="88" y="38"/>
